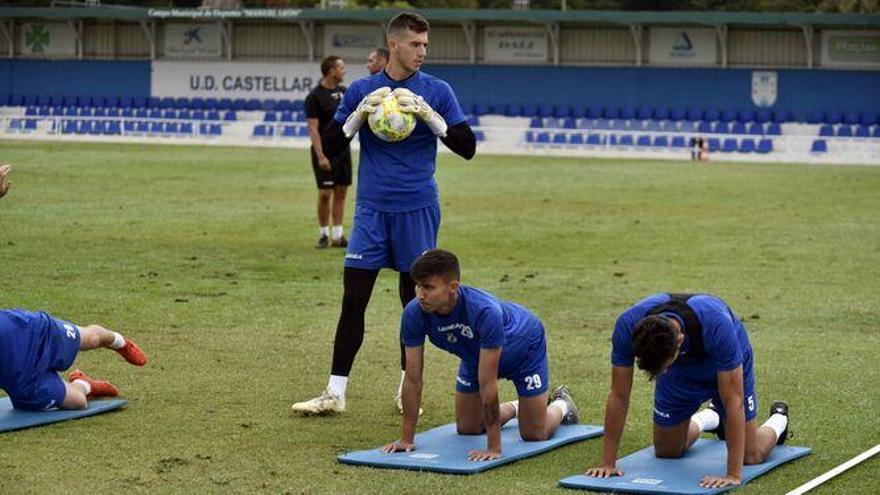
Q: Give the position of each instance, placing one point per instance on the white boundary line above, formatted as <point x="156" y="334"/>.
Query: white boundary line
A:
<point x="834" y="472"/>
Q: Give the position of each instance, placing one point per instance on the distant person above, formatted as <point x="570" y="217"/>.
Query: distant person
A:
<point x="34" y="347"/>
<point x="377" y="60"/>
<point x="332" y="173"/>
<point x="5" y="184"/>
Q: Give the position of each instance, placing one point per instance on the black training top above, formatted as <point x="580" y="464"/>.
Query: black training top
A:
<point x="321" y="104"/>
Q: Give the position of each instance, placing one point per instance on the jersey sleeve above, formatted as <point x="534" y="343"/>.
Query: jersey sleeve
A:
<point x="621" y="341"/>
<point x="449" y="107"/>
<point x="350" y="100"/>
<point x="312" y="106"/>
<point x="412" y="333"/>
<point x="490" y="325"/>
<point x="720" y="339"/>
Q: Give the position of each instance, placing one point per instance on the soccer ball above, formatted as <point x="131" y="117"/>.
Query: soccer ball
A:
<point x="388" y="123"/>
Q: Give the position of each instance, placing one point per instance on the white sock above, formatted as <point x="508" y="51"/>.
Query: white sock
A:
<point x="562" y="405"/>
<point x="325" y="231"/>
<point x="118" y="341"/>
<point x="336" y="232"/>
<point x="515" y="404"/>
<point x="777" y="423"/>
<point x="706" y="419"/>
<point x="84" y="385"/>
<point x="400" y="387"/>
<point x="337" y="385"/>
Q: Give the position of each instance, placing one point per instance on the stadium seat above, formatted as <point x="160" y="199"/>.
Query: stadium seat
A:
<point x="763" y="116"/>
<point x="113" y="112"/>
<point x="496" y="109"/>
<point x="31" y="111"/>
<point x="774" y="129"/>
<point x="611" y="140"/>
<point x="270" y="117"/>
<point x="781" y="116"/>
<point x="512" y="110"/>
<point x="594" y="140"/>
<point x="628" y="113"/>
<point x="56" y="101"/>
<point x="844" y="131"/>
<point x="643" y="141"/>
<point x="728" y="145"/>
<point x="68" y="127"/>
<point x="138" y="102"/>
<point x="100" y="112"/>
<point x="678" y="142"/>
<point x="185" y="128"/>
<point x="625" y="140"/>
<point x="43" y="111"/>
<point x="298" y="105"/>
<point x="299" y="116"/>
<point x="125" y="102"/>
<point x="765" y="146"/>
<point x="688" y="126"/>
<point x="142" y="127"/>
<point x="560" y="138"/>
<point x="728" y="116"/>
<point x="30" y="124"/>
<point x="653" y="125"/>
<point x="756" y="129"/>
<point x="722" y="127"/>
<point x="826" y="130"/>
<point x="196" y="103"/>
<point x="851" y="118"/>
<point x="876" y="132"/>
<point x="110" y="102"/>
<point x="288" y="131"/>
<point x="252" y="105"/>
<point x="223" y="104"/>
<point x="99" y="127"/>
<point x="704" y="127"/>
<point x="562" y="111"/>
<point x="530" y="136"/>
<point x="480" y="136"/>
<point x="172" y="127"/>
<point x="215" y="129"/>
<point x="481" y="109"/>
<point x="714" y="144"/>
<point x="738" y="128"/>
<point x="166" y="102"/>
<point x="141" y="113"/>
<point x="71" y="111"/>
<point x="209" y="103"/>
<point x="542" y="138"/>
<point x="661" y="114"/>
<point x="819" y="146"/>
<point x="286" y="116"/>
<point x="612" y="113"/>
<point x="862" y="131"/>
<point x="637" y="125"/>
<point x="169" y="114"/>
<point x="184" y="114"/>
<point x="284" y="105"/>
<point x="594" y="112"/>
<point x="815" y="117"/>
<point x="237" y="104"/>
<point x="157" y="128"/>
<point x="56" y="111"/>
<point x="545" y="111"/>
<point x="181" y="102"/>
<point x="569" y="123"/>
<point x="472" y="120"/>
<point x="154" y="113"/>
<point x="576" y="139"/>
<point x="868" y="118"/>
<point x="661" y="142"/>
<point x="152" y="102"/>
<point x="712" y="115"/>
<point x="833" y="118"/>
<point x="536" y="123"/>
<point x="678" y="114"/>
<point x="261" y="130"/>
<point x="268" y="105"/>
<point x="113" y="128"/>
<point x="127" y="112"/>
<point x="128" y="127"/>
<point x="230" y="116"/>
<point x="645" y="114"/>
<point x="747" y="145"/>
<point x="213" y="115"/>
<point x="578" y="111"/>
<point x="302" y="131"/>
<point x="746" y="116"/>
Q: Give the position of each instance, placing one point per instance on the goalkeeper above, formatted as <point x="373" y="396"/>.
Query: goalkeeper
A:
<point x="397" y="210"/>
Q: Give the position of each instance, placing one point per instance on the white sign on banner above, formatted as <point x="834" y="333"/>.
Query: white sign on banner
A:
<point x="514" y="44"/>
<point x="764" y="88"/>
<point x="851" y="48"/>
<point x="192" y="40"/>
<point x="682" y="46"/>
<point x="41" y="39"/>
<point x="352" y="42"/>
<point x="261" y="80"/>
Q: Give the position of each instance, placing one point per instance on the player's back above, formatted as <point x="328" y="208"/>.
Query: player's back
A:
<point x="19" y="339"/>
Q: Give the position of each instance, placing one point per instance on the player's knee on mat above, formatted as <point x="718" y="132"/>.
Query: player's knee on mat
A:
<point x="754" y="456"/>
<point x="668" y="452"/>
<point x="469" y="429"/>
<point x="534" y="436"/>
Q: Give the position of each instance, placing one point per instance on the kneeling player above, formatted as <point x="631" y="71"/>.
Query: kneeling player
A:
<point x="494" y="339"/>
<point x="697" y="350"/>
<point x="34" y="347"/>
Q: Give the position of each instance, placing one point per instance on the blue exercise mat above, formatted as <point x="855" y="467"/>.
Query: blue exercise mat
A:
<point x="644" y="473"/>
<point x="12" y="419"/>
<point x="443" y="450"/>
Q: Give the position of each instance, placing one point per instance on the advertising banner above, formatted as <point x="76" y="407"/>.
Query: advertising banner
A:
<point x="684" y="46"/>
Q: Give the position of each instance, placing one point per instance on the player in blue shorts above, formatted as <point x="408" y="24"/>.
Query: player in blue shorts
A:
<point x="494" y="339"/>
<point x="34" y="347"/>
<point x="397" y="210"/>
<point x="697" y="350"/>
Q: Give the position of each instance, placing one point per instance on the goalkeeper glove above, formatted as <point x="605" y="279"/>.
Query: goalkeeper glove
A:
<point x="412" y="103"/>
<point x="367" y="106"/>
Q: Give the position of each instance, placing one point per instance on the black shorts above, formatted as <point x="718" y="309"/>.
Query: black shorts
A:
<point x="339" y="173"/>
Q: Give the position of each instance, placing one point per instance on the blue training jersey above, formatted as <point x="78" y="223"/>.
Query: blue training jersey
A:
<point x="479" y="320"/>
<point x="22" y="339"/>
<point x="395" y="177"/>
<point x="725" y="341"/>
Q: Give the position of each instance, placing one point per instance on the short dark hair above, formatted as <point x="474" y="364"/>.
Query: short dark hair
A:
<point x="382" y="52"/>
<point x="408" y="20"/>
<point x="328" y="64"/>
<point x="654" y="341"/>
<point x="435" y="262"/>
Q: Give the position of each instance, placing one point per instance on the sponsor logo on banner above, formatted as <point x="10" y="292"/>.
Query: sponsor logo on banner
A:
<point x="352" y="42"/>
<point x="692" y="46"/>
<point x="764" y="88"/>
<point x="240" y="79"/>
<point x="515" y="44"/>
<point x="49" y="38"/>
<point x="192" y="40"/>
<point x="851" y="48"/>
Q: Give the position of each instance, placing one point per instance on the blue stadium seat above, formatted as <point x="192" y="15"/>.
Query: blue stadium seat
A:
<point x="198" y="115"/>
<point x="712" y="115"/>
<point x="128" y="126"/>
<point x="536" y="122"/>
<point x="678" y="142"/>
<point x="239" y="104"/>
<point x="714" y="144"/>
<point x="113" y="128"/>
<point x="876" y="132"/>
<point x="562" y="111"/>
<point x="625" y="140"/>
<point x="473" y="121"/>
<point x="704" y="127"/>
<point x="578" y="111"/>
<point x="529" y="111"/>
<point x="756" y="129"/>
<point x="868" y="118"/>
<point x="286" y="116"/>
<point x="157" y="127"/>
<point x="261" y="130"/>
<point x="602" y="124"/>
<point x="826" y="130"/>
<point x="288" y="131"/>
<point x="645" y="113"/>
<point x="545" y="111"/>
<point x="763" y="116"/>
<point x="5" y="100"/>
<point x="300" y="105"/>
<point x="661" y="142"/>
<point x="627" y="113"/>
<point x="71" y="111"/>
<point x="142" y="126"/>
<point x="127" y="112"/>
<point x="152" y="102"/>
<point x="738" y="128"/>
<point x="661" y="114"/>
<point x="576" y="139"/>
<point x="215" y="130"/>
<point x="729" y="145"/>
<point x="30" y="124"/>
<point x="481" y="109"/>
<point x="774" y="129"/>
<point x="765" y="146"/>
<point x="643" y="141"/>
<point x="138" y="102"/>
<point x="513" y="110"/>
<point x="560" y="138"/>
<point x="542" y="138"/>
<point x="688" y="126"/>
<point x="252" y="105"/>
<point x="746" y="115"/>
<point x="722" y="128"/>
<point x="113" y="112"/>
<point x="815" y="117"/>
<point x="612" y="113"/>
<point x="284" y="105"/>
<point x="479" y="136"/>
<point x="530" y="137"/>
<point x="568" y="123"/>
<point x="728" y="115"/>
<point x="166" y="102"/>
<point x="68" y="127"/>
<point x="819" y="146"/>
<point x="747" y="145"/>
<point x="862" y="131"/>
<point x="155" y="113"/>
<point x="844" y="131"/>
<point x="43" y="111"/>
<point x="212" y="115"/>
<point x="181" y="102"/>
<point x="31" y="111"/>
<point x="637" y="125"/>
<point x="299" y="116"/>
<point x="223" y="104"/>
<point x="594" y="112"/>
<point x="851" y="118"/>
<point x="56" y="101"/>
<point x="594" y="140"/>
<point x="678" y="114"/>
<point x="17" y="100"/>
<point x="184" y="114"/>
<point x="140" y="113"/>
<point x="302" y="131"/>
<point x="169" y="114"/>
<point x="782" y="116"/>
<point x="496" y="109"/>
<point x="230" y="116"/>
<point x="208" y="103"/>
<point x="126" y="102"/>
<point x="270" y="117"/>
<point x="653" y="125"/>
<point x="197" y="103"/>
<point x="110" y="102"/>
<point x="100" y="112"/>
<point x="833" y="118"/>
<point x="694" y="115"/>
<point x="268" y="105"/>
<point x="172" y="127"/>
<point x="186" y="128"/>
<point x="99" y="127"/>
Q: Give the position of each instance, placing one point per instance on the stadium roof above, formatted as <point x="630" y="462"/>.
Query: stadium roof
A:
<point x="456" y="16"/>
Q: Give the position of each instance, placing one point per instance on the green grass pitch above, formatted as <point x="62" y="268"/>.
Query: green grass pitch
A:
<point x="204" y="256"/>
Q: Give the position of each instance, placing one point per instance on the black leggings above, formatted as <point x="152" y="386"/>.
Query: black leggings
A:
<point x="357" y="289"/>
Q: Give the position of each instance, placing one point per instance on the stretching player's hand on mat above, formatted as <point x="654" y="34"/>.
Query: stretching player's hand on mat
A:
<point x="720" y="481"/>
<point x="4" y="179"/>
<point x="483" y="455"/>
<point x="367" y="106"/>
<point x="604" y="472"/>
<point x="399" y="446"/>
<point x="412" y="103"/>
